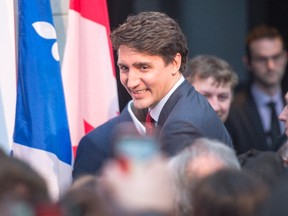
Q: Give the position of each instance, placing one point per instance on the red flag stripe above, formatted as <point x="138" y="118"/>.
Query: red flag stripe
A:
<point x="96" y="11"/>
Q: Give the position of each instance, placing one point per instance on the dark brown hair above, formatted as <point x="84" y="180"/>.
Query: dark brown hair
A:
<point x="260" y="32"/>
<point x="205" y="66"/>
<point x="229" y="192"/>
<point x="153" y="33"/>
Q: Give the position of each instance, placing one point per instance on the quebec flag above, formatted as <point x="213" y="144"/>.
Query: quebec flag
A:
<point x="41" y="133"/>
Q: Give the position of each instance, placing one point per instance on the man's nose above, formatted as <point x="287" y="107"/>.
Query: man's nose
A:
<point x="133" y="79"/>
<point x="215" y="104"/>
<point x="283" y="115"/>
<point x="270" y="64"/>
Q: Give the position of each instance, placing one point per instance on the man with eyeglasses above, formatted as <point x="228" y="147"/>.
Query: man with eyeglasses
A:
<point x="253" y="120"/>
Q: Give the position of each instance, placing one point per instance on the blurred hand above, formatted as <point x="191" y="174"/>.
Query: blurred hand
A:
<point x="143" y="187"/>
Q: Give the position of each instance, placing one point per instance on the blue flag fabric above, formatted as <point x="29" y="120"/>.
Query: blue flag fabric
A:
<point x="41" y="120"/>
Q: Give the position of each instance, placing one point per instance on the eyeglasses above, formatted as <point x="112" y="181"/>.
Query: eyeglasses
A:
<point x="277" y="59"/>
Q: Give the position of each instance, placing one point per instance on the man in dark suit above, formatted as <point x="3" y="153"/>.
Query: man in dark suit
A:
<point x="96" y="147"/>
<point x="252" y="122"/>
<point x="152" y="53"/>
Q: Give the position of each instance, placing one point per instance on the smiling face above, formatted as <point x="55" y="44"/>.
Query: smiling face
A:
<point x="284" y="115"/>
<point x="146" y="78"/>
<point x="268" y="61"/>
<point x="218" y="94"/>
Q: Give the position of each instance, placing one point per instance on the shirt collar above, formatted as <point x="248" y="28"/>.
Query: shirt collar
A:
<point x="155" y="112"/>
<point x="262" y="98"/>
<point x="139" y="126"/>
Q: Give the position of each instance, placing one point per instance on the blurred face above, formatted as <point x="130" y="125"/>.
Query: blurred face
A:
<point x="268" y="61"/>
<point x="205" y="165"/>
<point x="284" y="115"/>
<point x="218" y="95"/>
<point x="146" y="78"/>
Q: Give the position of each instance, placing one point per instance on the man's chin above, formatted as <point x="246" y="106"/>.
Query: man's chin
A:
<point x="269" y="84"/>
<point x="139" y="105"/>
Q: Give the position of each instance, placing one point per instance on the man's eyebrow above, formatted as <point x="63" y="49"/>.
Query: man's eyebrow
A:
<point x="140" y="64"/>
<point x="121" y="64"/>
<point x="136" y="64"/>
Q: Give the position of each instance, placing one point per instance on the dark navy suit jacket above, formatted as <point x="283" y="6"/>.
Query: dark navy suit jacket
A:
<point x="187" y="115"/>
<point x="96" y="147"/>
<point x="245" y="125"/>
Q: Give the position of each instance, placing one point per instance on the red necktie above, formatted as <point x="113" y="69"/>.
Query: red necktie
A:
<point x="149" y="124"/>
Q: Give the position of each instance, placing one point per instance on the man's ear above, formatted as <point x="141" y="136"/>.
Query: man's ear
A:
<point x="176" y="63"/>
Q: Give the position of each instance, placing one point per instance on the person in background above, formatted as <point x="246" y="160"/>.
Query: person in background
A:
<point x="253" y="122"/>
<point x="270" y="166"/>
<point x="276" y="204"/>
<point x="152" y="54"/>
<point x="84" y="198"/>
<point x="229" y="192"/>
<point x="267" y="165"/>
<point x="202" y="158"/>
<point x="22" y="189"/>
<point x="214" y="78"/>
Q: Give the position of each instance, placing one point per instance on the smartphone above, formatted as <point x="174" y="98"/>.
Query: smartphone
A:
<point x="135" y="151"/>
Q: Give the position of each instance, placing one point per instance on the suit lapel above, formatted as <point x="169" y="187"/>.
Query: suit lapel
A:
<point x="172" y="101"/>
<point x="256" y="122"/>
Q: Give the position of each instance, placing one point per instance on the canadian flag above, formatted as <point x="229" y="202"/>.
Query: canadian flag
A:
<point x="88" y="73"/>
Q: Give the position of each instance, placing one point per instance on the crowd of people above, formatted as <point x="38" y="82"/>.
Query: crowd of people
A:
<point x="169" y="152"/>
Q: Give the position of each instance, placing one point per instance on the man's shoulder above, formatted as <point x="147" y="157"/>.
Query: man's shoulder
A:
<point x="184" y="94"/>
<point x="193" y="102"/>
<point x="106" y="128"/>
<point x="187" y="117"/>
<point x="187" y="104"/>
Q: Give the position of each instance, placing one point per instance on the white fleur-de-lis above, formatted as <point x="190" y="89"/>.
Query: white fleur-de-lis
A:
<point x="47" y="31"/>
